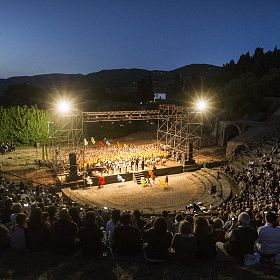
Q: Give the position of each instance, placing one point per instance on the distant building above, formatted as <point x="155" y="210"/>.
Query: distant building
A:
<point x="159" y="96"/>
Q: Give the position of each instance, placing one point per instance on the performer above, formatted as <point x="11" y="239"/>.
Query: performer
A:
<point x="143" y="164"/>
<point x="101" y="182"/>
<point x="155" y="170"/>
<point x="166" y="180"/>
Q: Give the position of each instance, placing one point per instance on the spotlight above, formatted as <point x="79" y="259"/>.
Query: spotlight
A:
<point x="63" y="106"/>
<point x="201" y="105"/>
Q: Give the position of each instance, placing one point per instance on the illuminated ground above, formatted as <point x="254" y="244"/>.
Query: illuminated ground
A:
<point x="182" y="189"/>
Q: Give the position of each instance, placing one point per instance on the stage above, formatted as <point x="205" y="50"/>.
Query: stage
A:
<point x="182" y="189"/>
<point x="170" y="167"/>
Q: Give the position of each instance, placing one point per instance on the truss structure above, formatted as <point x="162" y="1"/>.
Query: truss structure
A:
<point x="143" y="115"/>
<point x="65" y="136"/>
<point x="180" y="129"/>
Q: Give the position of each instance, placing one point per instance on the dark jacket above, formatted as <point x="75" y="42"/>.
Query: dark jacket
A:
<point x="241" y="241"/>
<point x="206" y="247"/>
<point x="158" y="243"/>
<point x="184" y="247"/>
<point x="64" y="233"/>
<point x="126" y="241"/>
<point x="39" y="237"/>
<point x="91" y="240"/>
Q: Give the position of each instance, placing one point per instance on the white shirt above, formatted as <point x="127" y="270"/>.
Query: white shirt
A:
<point x="110" y="226"/>
<point x="268" y="241"/>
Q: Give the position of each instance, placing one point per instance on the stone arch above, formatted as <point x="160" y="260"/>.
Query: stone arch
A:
<point x="232" y="130"/>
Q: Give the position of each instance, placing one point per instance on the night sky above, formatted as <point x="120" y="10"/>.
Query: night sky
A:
<point x="64" y="36"/>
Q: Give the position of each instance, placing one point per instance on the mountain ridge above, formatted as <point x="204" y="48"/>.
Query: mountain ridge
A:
<point x="50" y="80"/>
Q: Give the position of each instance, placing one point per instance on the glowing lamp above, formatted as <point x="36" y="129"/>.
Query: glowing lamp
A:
<point x="63" y="106"/>
<point x="201" y="105"/>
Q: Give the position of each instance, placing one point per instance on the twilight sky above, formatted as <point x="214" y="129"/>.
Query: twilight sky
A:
<point x="71" y="36"/>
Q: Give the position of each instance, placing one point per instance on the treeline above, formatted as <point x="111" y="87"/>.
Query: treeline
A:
<point x="247" y="82"/>
<point x="239" y="88"/>
<point x="23" y="125"/>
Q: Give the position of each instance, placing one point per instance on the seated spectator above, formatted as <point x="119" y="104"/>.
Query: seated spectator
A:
<point x="169" y="222"/>
<point x="16" y="208"/>
<point x="158" y="240"/>
<point x="218" y="232"/>
<point x="4" y="238"/>
<point x="7" y="210"/>
<point x="138" y="221"/>
<point x="18" y="233"/>
<point x="204" y="239"/>
<point x="268" y="242"/>
<point x="240" y="239"/>
<point x="126" y="240"/>
<point x="74" y="213"/>
<point x="64" y="233"/>
<point x="184" y="243"/>
<point x="52" y="213"/>
<point x="39" y="231"/>
<point x="91" y="236"/>
<point x="111" y="225"/>
<point x="178" y="219"/>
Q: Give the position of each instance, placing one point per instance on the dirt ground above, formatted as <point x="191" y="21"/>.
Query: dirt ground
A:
<point x="181" y="190"/>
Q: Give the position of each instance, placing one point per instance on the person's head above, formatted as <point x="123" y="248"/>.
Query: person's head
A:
<point x="189" y="219"/>
<point x="218" y="224"/>
<point x="271" y="218"/>
<point x="185" y="228"/>
<point x="164" y="213"/>
<point x="179" y="218"/>
<point x="52" y="211"/>
<point x="244" y="219"/>
<point x="21" y="219"/>
<point x="8" y="203"/>
<point x="160" y="224"/>
<point x="74" y="213"/>
<point x="201" y="226"/>
<point x="16" y="208"/>
<point x="90" y="218"/>
<point x="36" y="218"/>
<point x="115" y="215"/>
<point x="137" y="214"/>
<point x="125" y="219"/>
<point x="63" y="214"/>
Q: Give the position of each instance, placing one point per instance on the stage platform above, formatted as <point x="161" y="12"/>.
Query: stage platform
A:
<point x="171" y="167"/>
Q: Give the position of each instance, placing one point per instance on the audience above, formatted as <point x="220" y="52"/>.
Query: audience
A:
<point x="158" y="240"/>
<point x="91" y="236"/>
<point x="39" y="231"/>
<point x="64" y="233"/>
<point x="268" y="242"/>
<point x="18" y="233"/>
<point x="204" y="239"/>
<point x="184" y="244"/>
<point x="240" y="239"/>
<point x="126" y="240"/>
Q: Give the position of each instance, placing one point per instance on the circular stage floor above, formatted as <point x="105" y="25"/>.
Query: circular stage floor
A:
<point x="183" y="188"/>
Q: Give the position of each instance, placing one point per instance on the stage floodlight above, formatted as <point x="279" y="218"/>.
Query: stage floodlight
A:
<point x="63" y="106"/>
<point x="201" y="105"/>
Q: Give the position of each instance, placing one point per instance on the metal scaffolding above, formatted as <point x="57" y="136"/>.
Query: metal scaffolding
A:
<point x="180" y="129"/>
<point x="143" y="115"/>
<point x="65" y="136"/>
